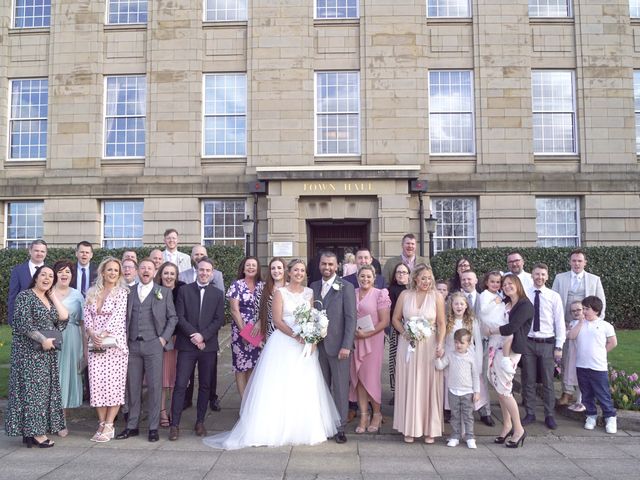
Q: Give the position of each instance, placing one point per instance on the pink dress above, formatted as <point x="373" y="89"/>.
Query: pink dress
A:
<point x="108" y="370"/>
<point x="366" y="362"/>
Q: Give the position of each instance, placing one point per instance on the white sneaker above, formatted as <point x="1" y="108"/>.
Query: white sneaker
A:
<point x="453" y="442"/>
<point x="611" y="425"/>
<point x="507" y="365"/>
<point x="471" y="443"/>
<point x="590" y="423"/>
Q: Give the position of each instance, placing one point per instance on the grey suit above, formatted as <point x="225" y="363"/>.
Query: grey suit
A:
<point x="340" y="304"/>
<point x="191" y="275"/>
<point x="485" y="409"/>
<point x="146" y="323"/>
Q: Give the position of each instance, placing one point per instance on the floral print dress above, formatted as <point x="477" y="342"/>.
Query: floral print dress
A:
<point x="244" y="355"/>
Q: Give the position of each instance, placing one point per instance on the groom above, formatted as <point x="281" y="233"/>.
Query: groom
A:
<point x="339" y="300"/>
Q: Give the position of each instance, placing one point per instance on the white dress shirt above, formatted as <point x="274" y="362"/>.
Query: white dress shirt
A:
<point x="144" y="290"/>
<point x="32" y="268"/>
<point x="551" y="315"/>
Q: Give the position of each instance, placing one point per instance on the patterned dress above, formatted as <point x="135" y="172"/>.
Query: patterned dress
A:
<point x="244" y="355"/>
<point x="35" y="403"/>
<point x="108" y="370"/>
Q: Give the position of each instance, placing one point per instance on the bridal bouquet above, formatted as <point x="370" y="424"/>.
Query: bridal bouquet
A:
<point x="417" y="328"/>
<point x="311" y="324"/>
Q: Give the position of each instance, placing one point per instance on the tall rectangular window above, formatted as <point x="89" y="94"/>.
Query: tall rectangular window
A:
<point x="32" y="13"/>
<point x="125" y="114"/>
<point x="24" y="223"/>
<point x="456" y="223"/>
<point x="636" y="102"/>
<point x="557" y="221"/>
<point x="337" y="113"/>
<point x="225" y="115"/>
<point x="123" y="12"/>
<point x="222" y="222"/>
<point x="336" y="9"/>
<point x="225" y="10"/>
<point x="28" y="119"/>
<point x="554" y="112"/>
<point x="634" y="8"/>
<point x="122" y="223"/>
<point x="451" y="123"/>
<point x="448" y="8"/>
<point x="549" y="8"/>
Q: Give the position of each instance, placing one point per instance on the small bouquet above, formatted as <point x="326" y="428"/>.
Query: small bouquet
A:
<point x="417" y="328"/>
<point x="311" y="324"/>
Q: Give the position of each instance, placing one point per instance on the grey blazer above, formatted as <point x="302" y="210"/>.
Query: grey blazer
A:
<point x="340" y="305"/>
<point x="592" y="286"/>
<point x="164" y="312"/>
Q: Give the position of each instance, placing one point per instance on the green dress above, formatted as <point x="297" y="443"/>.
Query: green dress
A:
<point x="35" y="404"/>
<point x="71" y="353"/>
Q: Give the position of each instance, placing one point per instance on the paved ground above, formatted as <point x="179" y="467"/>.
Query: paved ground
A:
<point x="569" y="452"/>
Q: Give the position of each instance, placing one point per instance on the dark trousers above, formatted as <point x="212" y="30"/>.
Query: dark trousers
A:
<point x="207" y="366"/>
<point x="594" y="385"/>
<point x="538" y="358"/>
<point x="213" y="395"/>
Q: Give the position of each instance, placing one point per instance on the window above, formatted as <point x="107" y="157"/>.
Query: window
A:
<point x="451" y="112"/>
<point x="122" y="223"/>
<point x="456" y="223"/>
<point x="24" y="223"/>
<point x="557" y="222"/>
<point x="225" y="10"/>
<point x="123" y="12"/>
<point x="222" y="222"/>
<point x="28" y="122"/>
<point x="125" y="110"/>
<point x="225" y="115"/>
<point x="549" y="8"/>
<point x="32" y="13"/>
<point x="448" y="8"/>
<point x="337" y="8"/>
<point x="337" y="113"/>
<point x="554" y="113"/>
<point x="634" y="8"/>
<point x="636" y="98"/>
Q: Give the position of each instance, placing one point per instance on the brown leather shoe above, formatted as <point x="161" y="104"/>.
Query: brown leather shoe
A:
<point x="174" y="433"/>
<point x="565" y="399"/>
<point x="200" y="430"/>
<point x="351" y="415"/>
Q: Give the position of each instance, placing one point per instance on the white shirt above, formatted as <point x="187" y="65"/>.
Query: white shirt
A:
<point x="144" y="290"/>
<point x="32" y="268"/>
<point x="326" y="285"/>
<point x="591" y="343"/>
<point x="79" y="276"/>
<point x="576" y="278"/>
<point x="551" y="315"/>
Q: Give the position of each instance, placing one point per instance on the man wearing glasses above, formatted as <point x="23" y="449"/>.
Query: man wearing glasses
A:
<point x="515" y="264"/>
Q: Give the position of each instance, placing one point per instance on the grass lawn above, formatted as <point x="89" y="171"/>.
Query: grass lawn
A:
<point x="626" y="356"/>
<point x="5" y="355"/>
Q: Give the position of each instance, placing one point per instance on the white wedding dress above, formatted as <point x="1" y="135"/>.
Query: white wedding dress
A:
<point x="287" y="401"/>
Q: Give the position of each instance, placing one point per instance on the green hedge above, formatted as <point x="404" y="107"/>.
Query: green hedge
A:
<point x="618" y="267"/>
<point x="227" y="259"/>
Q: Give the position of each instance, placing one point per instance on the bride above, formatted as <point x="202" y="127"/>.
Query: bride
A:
<point x="287" y="401"/>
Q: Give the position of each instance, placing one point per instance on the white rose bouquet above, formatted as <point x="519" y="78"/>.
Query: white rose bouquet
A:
<point x="311" y="325"/>
<point x="417" y="328"/>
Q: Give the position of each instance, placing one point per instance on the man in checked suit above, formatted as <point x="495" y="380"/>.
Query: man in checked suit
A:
<point x="338" y="298"/>
<point x="200" y="307"/>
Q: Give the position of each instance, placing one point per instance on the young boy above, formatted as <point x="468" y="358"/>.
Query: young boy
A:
<point x="443" y="287"/>
<point x="464" y="387"/>
<point x="594" y="339"/>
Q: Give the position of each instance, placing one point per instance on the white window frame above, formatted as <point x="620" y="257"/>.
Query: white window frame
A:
<point x="634" y="9"/>
<point x="225" y="240"/>
<point x="12" y="121"/>
<point x="347" y="6"/>
<point x="205" y="10"/>
<point x="470" y="240"/>
<point x="555" y="112"/>
<point x="542" y="240"/>
<point x="24" y="241"/>
<point x="438" y="7"/>
<point x="338" y="114"/>
<point x="108" y="12"/>
<point x="470" y="113"/>
<point x="123" y="241"/>
<point x="636" y="102"/>
<point x="107" y="117"/>
<point x="14" y="16"/>
<point x="206" y="115"/>
<point x="536" y="6"/>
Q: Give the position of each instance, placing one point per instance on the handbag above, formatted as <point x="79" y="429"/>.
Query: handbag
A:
<point x="107" y="342"/>
<point x="55" y="334"/>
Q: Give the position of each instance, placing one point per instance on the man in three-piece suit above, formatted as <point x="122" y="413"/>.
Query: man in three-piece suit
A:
<point x="22" y="274"/>
<point x="339" y="300"/>
<point x="200" y="307"/>
<point x="151" y="320"/>
<point x="85" y="272"/>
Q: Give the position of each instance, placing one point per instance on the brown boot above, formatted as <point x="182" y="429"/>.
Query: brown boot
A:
<point x="565" y="399"/>
<point x="200" y="430"/>
<point x="174" y="433"/>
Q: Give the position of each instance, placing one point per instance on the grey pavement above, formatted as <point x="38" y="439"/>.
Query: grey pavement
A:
<point x="568" y="452"/>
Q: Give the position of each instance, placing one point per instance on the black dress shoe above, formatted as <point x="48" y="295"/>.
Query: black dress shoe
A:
<point x="215" y="404"/>
<point x="550" y="422"/>
<point x="340" y="437"/>
<point x="153" y="436"/>
<point x="487" y="420"/>
<point x="128" y="432"/>
<point x="528" y="419"/>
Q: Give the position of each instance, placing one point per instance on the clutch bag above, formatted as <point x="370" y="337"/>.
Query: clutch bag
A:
<point x="107" y="342"/>
<point x="55" y="334"/>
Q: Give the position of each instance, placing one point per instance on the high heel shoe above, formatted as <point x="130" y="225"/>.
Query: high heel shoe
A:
<point x="98" y="432"/>
<point x="517" y="443"/>
<point x="501" y="440"/>
<point x="164" y="418"/>
<point x="376" y="422"/>
<point x="31" y="441"/>
<point x="107" y="433"/>
<point x="364" y="418"/>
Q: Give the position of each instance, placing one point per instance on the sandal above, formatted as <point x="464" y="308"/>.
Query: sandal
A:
<point x="107" y="433"/>
<point x="408" y="439"/>
<point x="376" y="421"/>
<point x="364" y="419"/>
<point x="98" y="432"/>
<point x="429" y="440"/>
<point x="164" y="419"/>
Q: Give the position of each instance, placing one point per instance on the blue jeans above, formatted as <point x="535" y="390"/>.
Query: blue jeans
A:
<point x="594" y="385"/>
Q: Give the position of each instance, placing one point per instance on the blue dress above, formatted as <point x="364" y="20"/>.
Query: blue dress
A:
<point x="71" y="353"/>
<point x="244" y="355"/>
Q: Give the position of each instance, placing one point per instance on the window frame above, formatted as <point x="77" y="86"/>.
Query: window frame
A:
<point x="108" y="13"/>
<point x="25" y="241"/>
<point x="468" y="15"/>
<point x="438" y="237"/>
<point x="206" y="20"/>
<point x="540" y="238"/>
<point x="137" y="241"/>
<point x="11" y="120"/>
<point x="14" y="17"/>
<point x="635" y="16"/>
<point x="568" y="3"/>
<point x="636" y="103"/>
<point x="207" y="241"/>
<point x="106" y="117"/>
<point x="346" y="7"/>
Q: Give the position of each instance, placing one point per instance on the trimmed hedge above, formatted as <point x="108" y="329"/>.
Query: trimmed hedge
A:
<point x="227" y="259"/>
<point x="617" y="267"/>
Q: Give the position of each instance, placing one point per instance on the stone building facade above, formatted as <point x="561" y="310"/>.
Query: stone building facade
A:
<point x="121" y="118"/>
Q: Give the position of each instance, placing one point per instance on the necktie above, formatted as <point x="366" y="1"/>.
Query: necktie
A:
<point x="536" y="312"/>
<point x="576" y="283"/>
<point x="470" y="297"/>
<point x="325" y="289"/>
<point x="142" y="294"/>
<point x="83" y="280"/>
